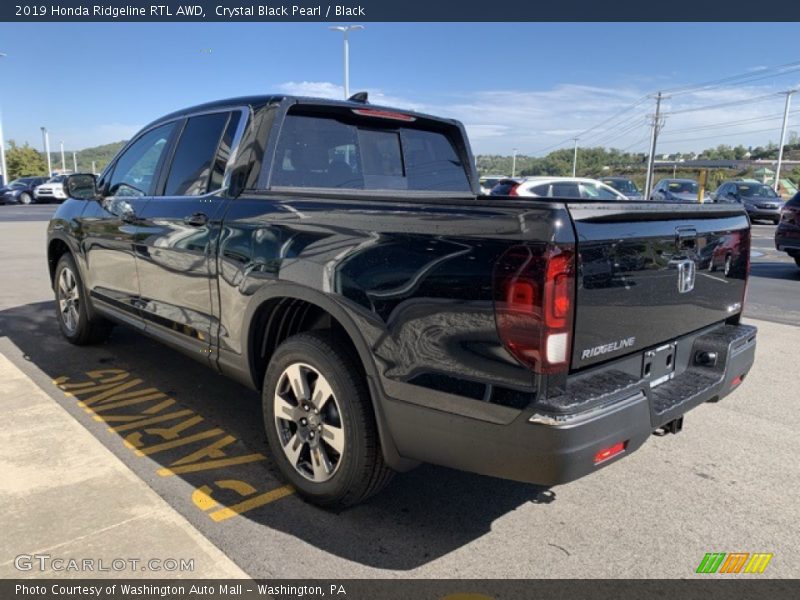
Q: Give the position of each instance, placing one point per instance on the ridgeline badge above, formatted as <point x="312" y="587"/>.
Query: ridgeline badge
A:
<point x="606" y="348"/>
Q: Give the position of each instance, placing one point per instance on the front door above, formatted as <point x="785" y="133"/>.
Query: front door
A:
<point x="179" y="228"/>
<point x="111" y="226"/>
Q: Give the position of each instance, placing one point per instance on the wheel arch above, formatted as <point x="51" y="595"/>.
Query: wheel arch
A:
<point x="285" y="309"/>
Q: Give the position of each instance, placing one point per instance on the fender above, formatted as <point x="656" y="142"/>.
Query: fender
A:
<point x="283" y="289"/>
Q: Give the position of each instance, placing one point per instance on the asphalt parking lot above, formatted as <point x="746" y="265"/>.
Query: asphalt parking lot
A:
<point x="728" y="483"/>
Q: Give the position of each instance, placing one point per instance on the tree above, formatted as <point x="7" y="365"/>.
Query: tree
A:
<point x="24" y="161"/>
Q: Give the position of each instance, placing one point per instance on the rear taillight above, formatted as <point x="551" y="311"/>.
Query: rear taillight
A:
<point x="534" y="290"/>
<point x="744" y="252"/>
<point x="513" y="190"/>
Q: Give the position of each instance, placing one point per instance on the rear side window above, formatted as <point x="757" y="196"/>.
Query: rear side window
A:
<point x="193" y="162"/>
<point x="565" y="190"/>
<point x="327" y="152"/>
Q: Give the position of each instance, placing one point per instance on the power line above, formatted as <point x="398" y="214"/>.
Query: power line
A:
<point x="740" y="78"/>
<point x="721" y="105"/>
<point x="729" y="123"/>
<point x="719" y="135"/>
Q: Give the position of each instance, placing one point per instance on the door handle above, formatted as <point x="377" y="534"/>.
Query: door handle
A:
<point x="198" y="219"/>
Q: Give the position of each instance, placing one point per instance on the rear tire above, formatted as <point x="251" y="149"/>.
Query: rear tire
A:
<point x="320" y="423"/>
<point x="71" y="310"/>
<point x="25" y="198"/>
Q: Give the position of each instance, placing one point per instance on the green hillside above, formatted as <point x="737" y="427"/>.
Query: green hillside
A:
<point x="100" y="154"/>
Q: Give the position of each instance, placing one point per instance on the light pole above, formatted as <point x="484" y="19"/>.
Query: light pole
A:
<point x="3" y="141"/>
<point x="63" y="159"/>
<point x="783" y="138"/>
<point x="46" y="143"/>
<point x="94" y="169"/>
<point x="513" y="162"/>
<point x="575" y="158"/>
<point x="346" y="29"/>
<point x="74" y="162"/>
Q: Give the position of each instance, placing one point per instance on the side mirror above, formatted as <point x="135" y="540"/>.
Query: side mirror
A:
<point x="81" y="186"/>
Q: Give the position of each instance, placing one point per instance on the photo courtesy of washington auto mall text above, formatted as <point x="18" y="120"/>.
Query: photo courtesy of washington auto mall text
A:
<point x="414" y="300"/>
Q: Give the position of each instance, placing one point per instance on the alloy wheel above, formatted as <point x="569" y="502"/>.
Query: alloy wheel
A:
<point x="308" y="421"/>
<point x="68" y="300"/>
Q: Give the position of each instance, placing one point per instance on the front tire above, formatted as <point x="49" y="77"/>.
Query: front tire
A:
<point x="71" y="310"/>
<point x="25" y="198"/>
<point x="320" y="423"/>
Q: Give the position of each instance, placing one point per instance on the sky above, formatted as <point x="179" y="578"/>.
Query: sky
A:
<point x="529" y="86"/>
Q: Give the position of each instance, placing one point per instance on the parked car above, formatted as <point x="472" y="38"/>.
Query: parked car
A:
<point x="505" y="187"/>
<point x="20" y="191"/>
<point x="487" y="182"/>
<point x="760" y="201"/>
<point x="787" y="234"/>
<point x="52" y="190"/>
<point x="677" y="190"/>
<point x="567" y="187"/>
<point x="624" y="186"/>
<point x="338" y="257"/>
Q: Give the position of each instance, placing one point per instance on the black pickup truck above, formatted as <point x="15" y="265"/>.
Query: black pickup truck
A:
<point x="338" y="257"/>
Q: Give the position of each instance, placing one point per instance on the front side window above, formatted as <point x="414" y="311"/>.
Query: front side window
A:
<point x="193" y="161"/>
<point x="350" y="153"/>
<point x="134" y="172"/>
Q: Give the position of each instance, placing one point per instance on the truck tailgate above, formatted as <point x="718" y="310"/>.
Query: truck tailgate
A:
<point x="650" y="272"/>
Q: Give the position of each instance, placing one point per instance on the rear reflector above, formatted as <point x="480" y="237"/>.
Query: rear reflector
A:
<point x="534" y="291"/>
<point x="383" y="114"/>
<point x="736" y="381"/>
<point x="607" y="453"/>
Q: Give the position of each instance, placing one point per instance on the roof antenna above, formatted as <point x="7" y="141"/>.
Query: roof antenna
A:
<point x="361" y="97"/>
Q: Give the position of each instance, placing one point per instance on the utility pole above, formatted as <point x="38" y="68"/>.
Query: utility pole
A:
<point x="63" y="158"/>
<point x="3" y="153"/>
<point x="94" y="169"/>
<point x="74" y="162"/>
<point x="783" y="138"/>
<point x="657" y="125"/>
<point x="3" y="142"/>
<point x="575" y="158"/>
<point x="513" y="162"/>
<point x="46" y="142"/>
<point x="346" y="31"/>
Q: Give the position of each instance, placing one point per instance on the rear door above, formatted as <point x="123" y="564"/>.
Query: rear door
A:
<point x="178" y="231"/>
<point x="648" y="274"/>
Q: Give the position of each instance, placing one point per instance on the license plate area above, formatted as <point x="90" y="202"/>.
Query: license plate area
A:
<point x="659" y="364"/>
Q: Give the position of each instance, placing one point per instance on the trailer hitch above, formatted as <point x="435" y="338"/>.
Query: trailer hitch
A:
<point x="672" y="427"/>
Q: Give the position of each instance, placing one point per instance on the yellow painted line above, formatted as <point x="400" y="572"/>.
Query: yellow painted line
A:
<point x="147" y="451"/>
<point x="210" y="464"/>
<point x="141" y="422"/>
<point x="247" y="505"/>
<point x="134" y="400"/>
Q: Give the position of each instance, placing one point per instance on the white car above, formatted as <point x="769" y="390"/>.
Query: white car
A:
<point x="52" y="190"/>
<point x="567" y="187"/>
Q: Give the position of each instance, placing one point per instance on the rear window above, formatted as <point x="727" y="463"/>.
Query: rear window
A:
<point x="377" y="154"/>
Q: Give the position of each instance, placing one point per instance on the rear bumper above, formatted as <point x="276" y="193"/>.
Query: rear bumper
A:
<point x="550" y="448"/>
<point x="764" y="213"/>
